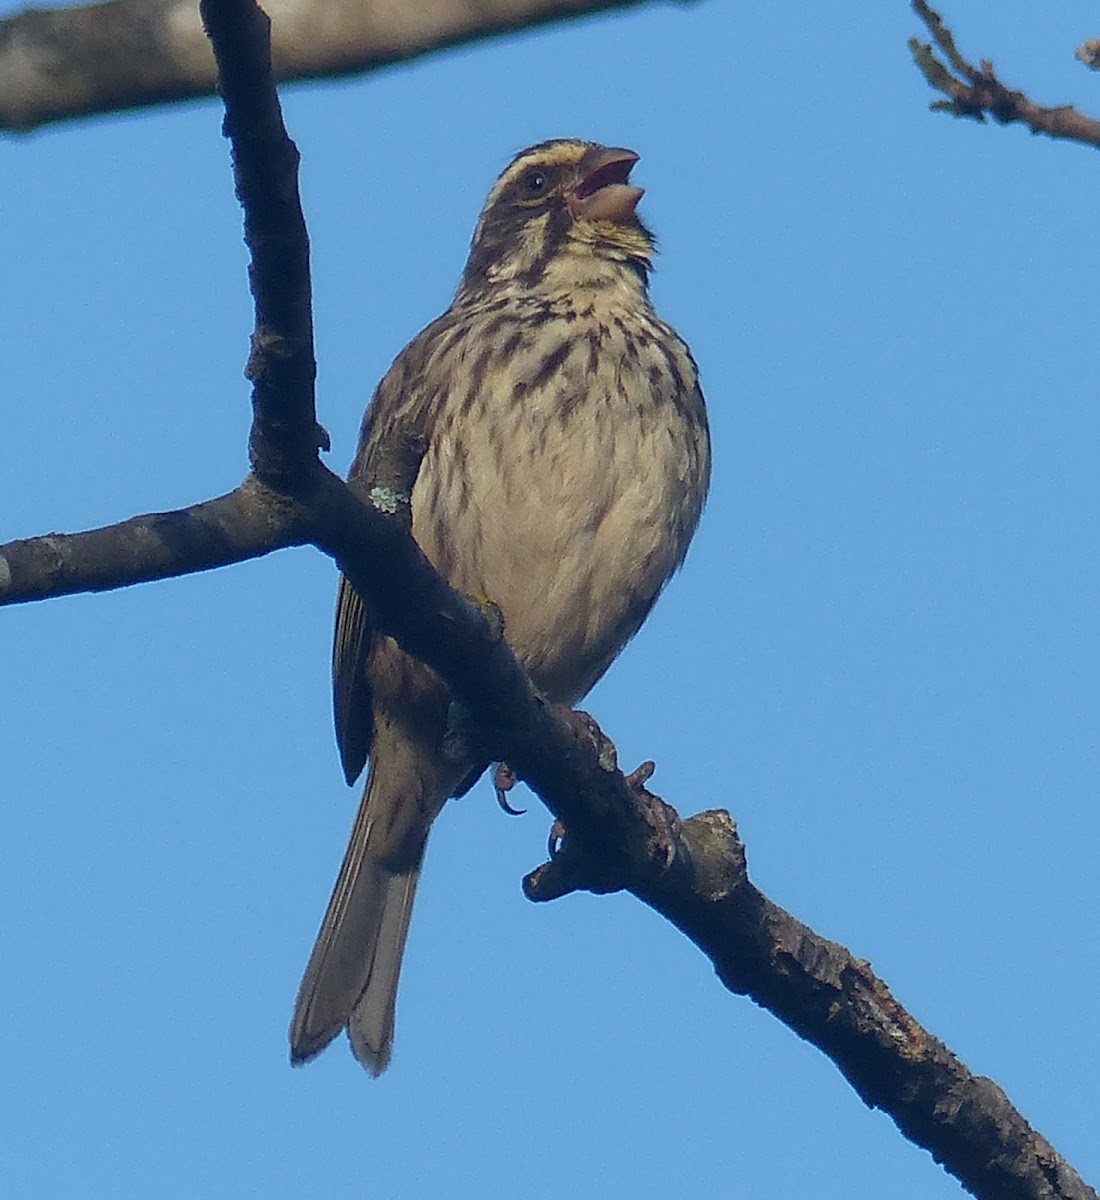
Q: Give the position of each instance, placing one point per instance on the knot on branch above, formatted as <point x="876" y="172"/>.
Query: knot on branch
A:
<point x="719" y="863"/>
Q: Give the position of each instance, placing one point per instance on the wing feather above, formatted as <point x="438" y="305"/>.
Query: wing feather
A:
<point x="351" y="693"/>
<point x="400" y="406"/>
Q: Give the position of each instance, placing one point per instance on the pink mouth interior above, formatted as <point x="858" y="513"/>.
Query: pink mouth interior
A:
<point x="614" y="172"/>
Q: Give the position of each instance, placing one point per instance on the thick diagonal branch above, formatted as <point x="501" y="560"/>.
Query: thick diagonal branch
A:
<point x="818" y="989"/>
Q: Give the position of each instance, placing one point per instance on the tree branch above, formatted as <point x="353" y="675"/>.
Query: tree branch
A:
<point x="285" y="436"/>
<point x="619" y="835"/>
<point x="975" y="91"/>
<point x="815" y="987"/>
<point x="56" y="64"/>
<point x="230" y="529"/>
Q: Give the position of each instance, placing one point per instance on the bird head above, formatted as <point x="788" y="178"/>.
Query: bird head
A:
<point x="560" y="210"/>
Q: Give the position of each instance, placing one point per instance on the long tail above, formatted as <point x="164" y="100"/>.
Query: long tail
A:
<point x="351" y="978"/>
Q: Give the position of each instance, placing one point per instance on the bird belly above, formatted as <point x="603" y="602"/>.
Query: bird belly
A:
<point x="570" y="510"/>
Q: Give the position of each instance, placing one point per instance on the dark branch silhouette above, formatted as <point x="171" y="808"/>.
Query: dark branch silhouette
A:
<point x="976" y="92"/>
<point x="60" y="63"/>
<point x="216" y="533"/>
<point x="613" y="833"/>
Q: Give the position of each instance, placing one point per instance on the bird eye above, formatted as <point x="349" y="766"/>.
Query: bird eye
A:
<point x="535" y="182"/>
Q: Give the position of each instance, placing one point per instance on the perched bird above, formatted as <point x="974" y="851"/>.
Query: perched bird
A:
<point x="566" y="467"/>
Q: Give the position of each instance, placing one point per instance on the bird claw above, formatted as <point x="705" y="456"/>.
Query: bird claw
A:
<point x="556" y="840"/>
<point x="504" y="779"/>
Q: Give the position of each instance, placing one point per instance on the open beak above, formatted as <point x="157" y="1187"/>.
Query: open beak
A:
<point x="604" y="192"/>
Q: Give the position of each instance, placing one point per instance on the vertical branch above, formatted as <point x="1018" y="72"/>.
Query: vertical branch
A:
<point x="285" y="435"/>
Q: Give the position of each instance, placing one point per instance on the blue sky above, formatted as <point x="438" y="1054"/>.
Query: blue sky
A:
<point x="882" y="655"/>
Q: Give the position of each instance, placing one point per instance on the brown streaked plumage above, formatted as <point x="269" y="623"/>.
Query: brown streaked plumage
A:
<point x="566" y="468"/>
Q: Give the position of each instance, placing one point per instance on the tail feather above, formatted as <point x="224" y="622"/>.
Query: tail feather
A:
<point x="352" y="975"/>
<point x="370" y="1028"/>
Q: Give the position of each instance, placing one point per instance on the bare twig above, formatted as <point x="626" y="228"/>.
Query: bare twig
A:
<point x="975" y="91"/>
